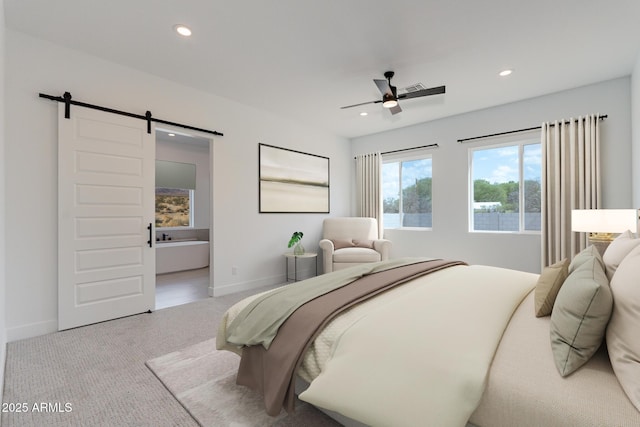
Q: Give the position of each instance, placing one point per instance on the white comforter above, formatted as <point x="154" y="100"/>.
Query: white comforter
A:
<point x="416" y="355"/>
<point x="422" y="358"/>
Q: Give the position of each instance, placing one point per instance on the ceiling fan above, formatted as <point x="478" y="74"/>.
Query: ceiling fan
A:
<point x="390" y="95"/>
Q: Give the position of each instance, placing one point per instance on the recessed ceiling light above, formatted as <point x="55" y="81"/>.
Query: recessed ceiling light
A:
<point x="182" y="30"/>
<point x="505" y="73"/>
<point x="172" y="134"/>
<point x="364" y="113"/>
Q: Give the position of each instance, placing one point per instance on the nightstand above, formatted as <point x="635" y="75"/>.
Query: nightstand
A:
<point x="304" y="256"/>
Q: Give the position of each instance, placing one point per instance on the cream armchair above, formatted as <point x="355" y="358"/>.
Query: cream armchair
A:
<point x="351" y="241"/>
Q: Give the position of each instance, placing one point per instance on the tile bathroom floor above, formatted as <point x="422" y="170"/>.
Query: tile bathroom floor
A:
<point x="181" y="287"/>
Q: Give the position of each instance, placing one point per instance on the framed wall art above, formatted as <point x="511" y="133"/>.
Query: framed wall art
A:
<point x="292" y="181"/>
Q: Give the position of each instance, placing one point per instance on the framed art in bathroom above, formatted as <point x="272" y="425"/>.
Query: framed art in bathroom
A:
<point x="292" y="181"/>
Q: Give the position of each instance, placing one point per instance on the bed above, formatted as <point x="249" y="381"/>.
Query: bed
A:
<point x="464" y="345"/>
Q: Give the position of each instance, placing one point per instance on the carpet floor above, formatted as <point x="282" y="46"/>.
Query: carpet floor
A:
<point x="96" y="375"/>
<point x="199" y="375"/>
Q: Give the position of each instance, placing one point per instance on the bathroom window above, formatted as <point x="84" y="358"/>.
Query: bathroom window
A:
<point x="174" y="207"/>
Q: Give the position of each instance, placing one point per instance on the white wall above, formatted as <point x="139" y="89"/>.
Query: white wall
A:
<point x="242" y="237"/>
<point x="635" y="127"/>
<point x="199" y="156"/>
<point x="3" y="335"/>
<point x="450" y="237"/>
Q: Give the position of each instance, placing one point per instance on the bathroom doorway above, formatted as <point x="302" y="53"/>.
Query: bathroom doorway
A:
<point x="181" y="287"/>
<point x="183" y="218"/>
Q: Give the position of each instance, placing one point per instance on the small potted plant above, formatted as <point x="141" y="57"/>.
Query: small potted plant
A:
<point x="296" y="237"/>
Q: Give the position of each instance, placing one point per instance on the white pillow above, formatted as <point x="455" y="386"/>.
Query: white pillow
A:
<point x="622" y="333"/>
<point x="617" y="250"/>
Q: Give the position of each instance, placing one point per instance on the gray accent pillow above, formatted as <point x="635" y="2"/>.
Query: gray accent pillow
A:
<point x="580" y="316"/>
<point x="585" y="255"/>
<point x="548" y="285"/>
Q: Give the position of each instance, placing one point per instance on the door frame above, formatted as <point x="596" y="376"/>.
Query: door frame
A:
<point x="203" y="135"/>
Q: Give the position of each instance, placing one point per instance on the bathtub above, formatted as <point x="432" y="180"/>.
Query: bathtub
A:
<point x="179" y="255"/>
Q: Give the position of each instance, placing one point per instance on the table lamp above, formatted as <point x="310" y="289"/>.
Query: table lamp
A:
<point x="603" y="224"/>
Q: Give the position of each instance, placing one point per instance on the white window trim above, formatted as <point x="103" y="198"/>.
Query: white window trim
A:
<point x="520" y="142"/>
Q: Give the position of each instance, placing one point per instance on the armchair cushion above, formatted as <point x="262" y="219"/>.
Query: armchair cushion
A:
<point x="355" y="255"/>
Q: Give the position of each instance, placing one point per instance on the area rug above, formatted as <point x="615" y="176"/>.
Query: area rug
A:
<point x="202" y="379"/>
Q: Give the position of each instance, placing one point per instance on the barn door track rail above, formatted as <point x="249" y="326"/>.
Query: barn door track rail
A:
<point x="66" y="98"/>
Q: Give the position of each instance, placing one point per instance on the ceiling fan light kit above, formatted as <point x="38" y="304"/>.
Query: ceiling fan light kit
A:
<point x="389" y="101"/>
<point x="390" y="95"/>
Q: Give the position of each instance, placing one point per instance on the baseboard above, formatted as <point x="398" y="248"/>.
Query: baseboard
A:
<point x="31" y="330"/>
<point x="304" y="273"/>
<point x="220" y="290"/>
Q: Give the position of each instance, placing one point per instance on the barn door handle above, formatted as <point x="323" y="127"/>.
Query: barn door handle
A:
<point x="150" y="241"/>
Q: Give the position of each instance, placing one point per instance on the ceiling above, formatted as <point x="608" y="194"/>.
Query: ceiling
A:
<point x="305" y="59"/>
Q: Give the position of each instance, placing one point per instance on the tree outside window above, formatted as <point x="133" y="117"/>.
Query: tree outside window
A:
<point x="406" y="193"/>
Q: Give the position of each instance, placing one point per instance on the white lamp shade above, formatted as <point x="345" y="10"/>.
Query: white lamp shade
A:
<point x="604" y="220"/>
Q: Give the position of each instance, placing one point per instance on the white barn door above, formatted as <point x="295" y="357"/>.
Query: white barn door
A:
<point x="106" y="197"/>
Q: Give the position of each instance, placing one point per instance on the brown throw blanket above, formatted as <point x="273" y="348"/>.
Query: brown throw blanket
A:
<point x="272" y="371"/>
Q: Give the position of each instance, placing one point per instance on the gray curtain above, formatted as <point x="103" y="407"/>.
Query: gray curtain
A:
<point x="570" y="180"/>
<point x="369" y="187"/>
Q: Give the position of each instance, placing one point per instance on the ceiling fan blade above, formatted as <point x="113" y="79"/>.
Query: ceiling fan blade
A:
<point x="362" y="103"/>
<point x="383" y="86"/>
<point x="396" y="109"/>
<point x="424" y="92"/>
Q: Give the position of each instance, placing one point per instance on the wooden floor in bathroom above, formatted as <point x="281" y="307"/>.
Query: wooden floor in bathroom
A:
<point x="181" y="287"/>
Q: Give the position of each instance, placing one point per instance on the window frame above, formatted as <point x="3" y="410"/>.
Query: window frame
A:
<point x="520" y="143"/>
<point x="191" y="225"/>
<point x="400" y="158"/>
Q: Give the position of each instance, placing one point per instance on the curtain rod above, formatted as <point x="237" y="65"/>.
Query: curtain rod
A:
<point x="515" y="131"/>
<point x="66" y="98"/>
<point x="409" y="149"/>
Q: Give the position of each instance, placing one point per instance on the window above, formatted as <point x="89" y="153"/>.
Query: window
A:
<point x="505" y="187"/>
<point x="175" y="187"/>
<point x="406" y="192"/>
<point x="174" y="207"/>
